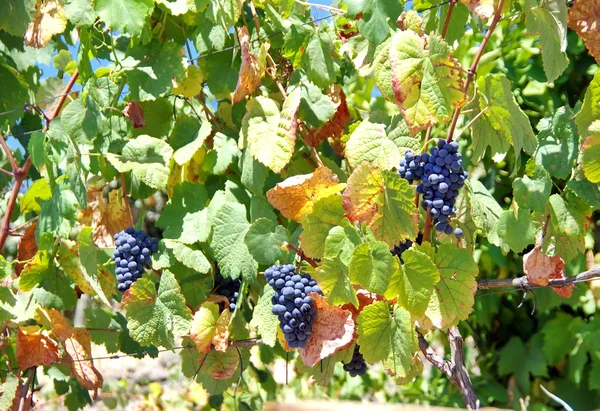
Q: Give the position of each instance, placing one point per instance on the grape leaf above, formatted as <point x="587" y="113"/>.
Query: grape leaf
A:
<point x="127" y="16"/>
<point x="184" y="208"/>
<point x="372" y="266"/>
<point x="209" y="327"/>
<point x="569" y="214"/>
<point x="147" y="158"/>
<point x="484" y="9"/>
<point x="418" y="275"/>
<point x="377" y="17"/>
<point x="317" y="60"/>
<point x="252" y="70"/>
<point x="231" y="253"/>
<point x="386" y="337"/>
<point x="264" y="320"/>
<point x="503" y="124"/>
<point x="9" y="389"/>
<point x="549" y="19"/>
<point x="35" y="347"/>
<point x="515" y="358"/>
<point x="341" y="242"/>
<point x="106" y="219"/>
<point x="369" y="143"/>
<point x="558" y="348"/>
<point x="454" y="294"/>
<point x="327" y="213"/>
<point x="190" y="257"/>
<point x="296" y="196"/>
<point x="224" y="12"/>
<point x="265" y="240"/>
<point x="332" y="277"/>
<point x="533" y="190"/>
<point x="49" y="19"/>
<point x="38" y="190"/>
<point x="15" y="15"/>
<point x="583" y="18"/>
<point x="514" y="231"/>
<point x="80" y="13"/>
<point x="591" y="153"/>
<point x="191" y="85"/>
<point x="156" y="317"/>
<point x="485" y="210"/>
<point x="384" y="201"/>
<point x="420" y="74"/>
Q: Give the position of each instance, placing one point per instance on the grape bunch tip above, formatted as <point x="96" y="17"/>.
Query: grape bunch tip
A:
<point x="441" y="175"/>
<point x="294" y="308"/>
<point x="133" y="253"/>
<point x="229" y="289"/>
<point x="357" y="365"/>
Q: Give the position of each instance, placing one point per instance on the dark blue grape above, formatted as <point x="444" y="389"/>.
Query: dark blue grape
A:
<point x="231" y="290"/>
<point x="357" y="365"/>
<point x="129" y="263"/>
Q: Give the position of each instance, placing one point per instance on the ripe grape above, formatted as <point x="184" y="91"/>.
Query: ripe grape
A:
<point x="356" y="366"/>
<point x="441" y="175"/>
<point x="228" y="288"/>
<point x="294" y="308"/>
<point x="402" y="247"/>
<point x="133" y="253"/>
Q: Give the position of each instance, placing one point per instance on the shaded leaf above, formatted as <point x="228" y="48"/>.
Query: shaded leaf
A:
<point x="106" y="219"/>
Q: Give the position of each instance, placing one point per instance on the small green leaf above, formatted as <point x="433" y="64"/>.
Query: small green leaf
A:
<point x="264" y="320"/>
<point x="318" y="61"/>
<point x="332" y="277"/>
<point x="127" y="16"/>
<point x="418" y="276"/>
<point x="341" y="242"/>
<point x="372" y="266"/>
<point x="558" y="143"/>
<point x="80" y="13"/>
<point x="9" y="391"/>
<point x="191" y="258"/>
<point x="224" y="12"/>
<point x="156" y="317"/>
<point x="485" y="210"/>
<point x="326" y="214"/>
<point x="378" y="16"/>
<point x="513" y="232"/>
<point x="39" y="190"/>
<point x="590" y="109"/>
<point x="591" y="153"/>
<point x="265" y="239"/>
<point x="533" y="190"/>
<point x="558" y="348"/>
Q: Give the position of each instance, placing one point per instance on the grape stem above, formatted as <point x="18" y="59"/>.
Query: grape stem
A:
<point x="20" y="173"/>
<point x="522" y="283"/>
<point x="301" y="254"/>
<point x="473" y="68"/>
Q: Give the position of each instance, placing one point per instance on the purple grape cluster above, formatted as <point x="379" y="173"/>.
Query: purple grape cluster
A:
<point x="291" y="304"/>
<point x="356" y="366"/>
<point x="441" y="175"/>
<point x="402" y="247"/>
<point x="133" y="253"/>
<point x="228" y="288"/>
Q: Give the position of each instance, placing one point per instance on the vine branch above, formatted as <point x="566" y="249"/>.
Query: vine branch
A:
<point x="302" y="255"/>
<point x="522" y="283"/>
<point x="473" y="68"/>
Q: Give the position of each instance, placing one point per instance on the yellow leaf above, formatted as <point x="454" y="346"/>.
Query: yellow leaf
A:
<point x="49" y="20"/>
<point x="295" y="196"/>
<point x="252" y="70"/>
<point x="39" y="190"/>
<point x="35" y="347"/>
<point x="106" y="219"/>
<point x="210" y="328"/>
<point x="77" y="343"/>
<point x="191" y="84"/>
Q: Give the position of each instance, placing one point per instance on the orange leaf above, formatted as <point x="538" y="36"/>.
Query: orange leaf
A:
<point x="77" y="343"/>
<point x="333" y="330"/>
<point x="295" y="196"/>
<point x="335" y="127"/>
<point x="251" y="71"/>
<point x="35" y="347"/>
<point x="27" y="248"/>
<point x="584" y="18"/>
<point x="134" y="112"/>
<point x="540" y="269"/>
<point x="105" y="219"/>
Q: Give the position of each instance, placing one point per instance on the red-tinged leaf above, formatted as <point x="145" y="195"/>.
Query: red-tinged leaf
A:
<point x="540" y="269"/>
<point x="209" y="328"/>
<point x="584" y="17"/>
<point x="333" y="330"/>
<point x="221" y="365"/>
<point x="252" y="70"/>
<point x="27" y="248"/>
<point x="364" y="298"/>
<point x="35" y="347"/>
<point x="335" y="127"/>
<point x="135" y="113"/>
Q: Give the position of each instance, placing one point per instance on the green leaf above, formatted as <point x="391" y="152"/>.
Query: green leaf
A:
<point x="420" y="74"/>
<point x="591" y="153"/>
<point x="127" y="16"/>
<point x="558" y="143"/>
<point x="58" y="214"/>
<point x="341" y="241"/>
<point x="182" y="218"/>
<point x="378" y="16"/>
<point x="590" y="109"/>
<point x="156" y="317"/>
<point x="82" y="122"/>
<point x="569" y="214"/>
<point x="15" y="15"/>
<point x="558" y="348"/>
<point x="454" y="294"/>
<point x="254" y="174"/>
<point x="9" y="391"/>
<point x="383" y="200"/>
<point x="485" y="210"/>
<point x="264" y="320"/>
<point x="332" y="277"/>
<point x="327" y="213"/>
<point x="223" y="154"/>
<point x="191" y="258"/>
<point x="503" y="124"/>
<point x="533" y="190"/>
<point x="5" y="268"/>
<point x="36" y="148"/>
<point x="184" y="154"/>
<point x="14" y="88"/>
<point x="549" y="19"/>
<point x="513" y="232"/>
<point x="147" y="158"/>
<point x="80" y="13"/>
<point x="386" y="337"/>
<point x="316" y="108"/>
<point x="88" y="259"/>
<point x="39" y="190"/>
<point x="372" y="266"/>
<point x="231" y="253"/>
<point x="224" y="12"/>
<point x="317" y="60"/>
<point x="265" y="239"/>
<point x="369" y="143"/>
<point x="585" y="190"/>
<point x="418" y="275"/>
<point x="515" y="358"/>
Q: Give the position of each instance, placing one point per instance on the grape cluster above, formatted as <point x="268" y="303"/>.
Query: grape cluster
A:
<point x="402" y="247"/>
<point x="441" y="175"/>
<point x="133" y="253"/>
<point x="294" y="308"/>
<point x="356" y="366"/>
<point x="228" y="288"/>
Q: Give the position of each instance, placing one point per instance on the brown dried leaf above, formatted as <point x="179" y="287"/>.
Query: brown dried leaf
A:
<point x="106" y="220"/>
<point x="334" y="128"/>
<point x="35" y="347"/>
<point x="49" y="19"/>
<point x="540" y="269"/>
<point x="584" y="18"/>
<point x="135" y="113"/>
<point x="27" y="248"/>
<point x="484" y="9"/>
<point x="333" y="330"/>
<point x="295" y="196"/>
<point x="251" y="71"/>
<point x="77" y="343"/>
